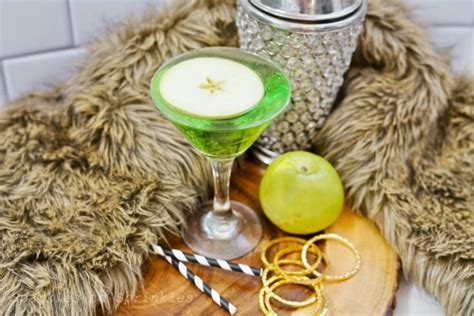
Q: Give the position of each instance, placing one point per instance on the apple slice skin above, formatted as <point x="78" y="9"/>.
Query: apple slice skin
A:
<point x="301" y="193"/>
<point x="211" y="117"/>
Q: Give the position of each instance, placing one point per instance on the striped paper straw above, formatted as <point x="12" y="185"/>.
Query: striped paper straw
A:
<point x="206" y="261"/>
<point x="201" y="285"/>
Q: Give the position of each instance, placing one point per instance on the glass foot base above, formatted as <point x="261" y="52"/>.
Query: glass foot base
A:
<point x="223" y="236"/>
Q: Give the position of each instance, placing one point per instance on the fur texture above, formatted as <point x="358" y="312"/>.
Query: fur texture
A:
<point x="91" y="174"/>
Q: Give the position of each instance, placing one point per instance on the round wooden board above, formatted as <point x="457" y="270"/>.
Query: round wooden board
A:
<point x="370" y="292"/>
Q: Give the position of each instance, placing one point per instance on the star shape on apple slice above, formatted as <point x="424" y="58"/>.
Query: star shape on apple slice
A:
<point x="212" y="86"/>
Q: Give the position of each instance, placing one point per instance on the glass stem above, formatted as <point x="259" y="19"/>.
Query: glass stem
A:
<point x="221" y="169"/>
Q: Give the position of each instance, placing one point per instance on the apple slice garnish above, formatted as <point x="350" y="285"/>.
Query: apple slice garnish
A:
<point x="211" y="87"/>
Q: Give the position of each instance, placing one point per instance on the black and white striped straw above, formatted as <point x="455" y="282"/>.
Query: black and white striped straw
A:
<point x="206" y="261"/>
<point x="201" y="285"/>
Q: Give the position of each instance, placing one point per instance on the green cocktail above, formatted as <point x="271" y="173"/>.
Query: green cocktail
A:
<point x="221" y="99"/>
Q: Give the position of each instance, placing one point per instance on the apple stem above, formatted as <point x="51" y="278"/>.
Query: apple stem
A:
<point x="304" y="169"/>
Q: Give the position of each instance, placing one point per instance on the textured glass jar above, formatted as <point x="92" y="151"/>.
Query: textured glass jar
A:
<point x="313" y="41"/>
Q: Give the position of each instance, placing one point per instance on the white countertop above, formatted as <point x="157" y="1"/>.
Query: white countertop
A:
<point x="412" y="301"/>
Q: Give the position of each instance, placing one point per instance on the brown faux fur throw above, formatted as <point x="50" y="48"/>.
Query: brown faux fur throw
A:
<point x="91" y="174"/>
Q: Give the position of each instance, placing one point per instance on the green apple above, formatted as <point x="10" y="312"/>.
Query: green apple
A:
<point x="301" y="193"/>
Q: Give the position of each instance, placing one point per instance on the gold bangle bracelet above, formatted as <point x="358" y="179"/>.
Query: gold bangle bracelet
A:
<point x="298" y="275"/>
<point x="318" y="293"/>
<point x="276" y="241"/>
<point x="269" y="282"/>
<point x="342" y="240"/>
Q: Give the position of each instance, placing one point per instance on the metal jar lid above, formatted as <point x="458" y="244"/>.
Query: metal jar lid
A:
<point x="307" y="15"/>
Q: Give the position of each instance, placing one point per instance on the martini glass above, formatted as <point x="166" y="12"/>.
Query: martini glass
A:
<point x="221" y="99"/>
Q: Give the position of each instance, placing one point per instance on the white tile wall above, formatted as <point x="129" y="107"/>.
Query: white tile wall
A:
<point x="90" y="17"/>
<point x="444" y="12"/>
<point x="28" y="26"/>
<point x="38" y="71"/>
<point x="460" y="41"/>
<point x="3" y="92"/>
<point x="39" y="39"/>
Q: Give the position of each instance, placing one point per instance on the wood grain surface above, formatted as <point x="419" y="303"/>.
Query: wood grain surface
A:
<point x="370" y="292"/>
